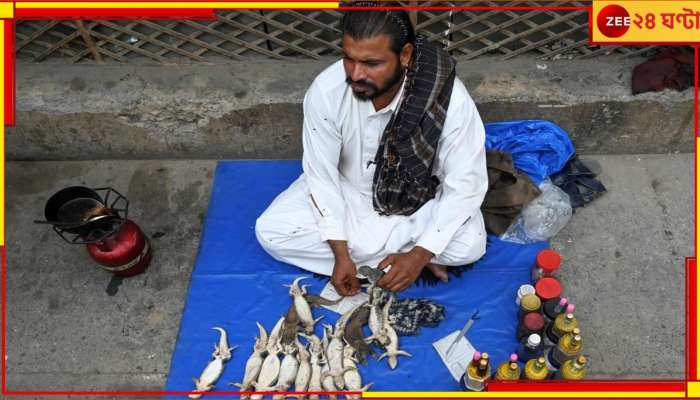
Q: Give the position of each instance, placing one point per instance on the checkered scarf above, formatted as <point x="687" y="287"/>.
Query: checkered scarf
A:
<point x="403" y="180"/>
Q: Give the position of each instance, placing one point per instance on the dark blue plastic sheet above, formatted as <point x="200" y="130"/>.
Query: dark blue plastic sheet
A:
<point x="235" y="283"/>
<point x="539" y="148"/>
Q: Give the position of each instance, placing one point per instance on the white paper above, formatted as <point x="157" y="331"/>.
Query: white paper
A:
<point x="460" y="354"/>
<point x="345" y="305"/>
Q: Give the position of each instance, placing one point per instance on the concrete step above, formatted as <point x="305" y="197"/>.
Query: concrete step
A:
<point x="253" y="109"/>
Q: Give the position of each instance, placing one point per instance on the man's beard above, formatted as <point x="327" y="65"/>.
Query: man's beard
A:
<point x="374" y="90"/>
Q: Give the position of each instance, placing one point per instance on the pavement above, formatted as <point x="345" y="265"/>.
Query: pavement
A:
<point x="253" y="109"/>
<point x="72" y="326"/>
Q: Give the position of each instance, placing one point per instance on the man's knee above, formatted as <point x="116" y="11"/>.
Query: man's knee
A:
<point x="468" y="245"/>
<point x="262" y="232"/>
<point x="267" y="231"/>
<point x="279" y="236"/>
<point x="460" y="253"/>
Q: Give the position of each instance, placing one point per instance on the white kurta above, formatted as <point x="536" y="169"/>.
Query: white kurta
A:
<point x="341" y="135"/>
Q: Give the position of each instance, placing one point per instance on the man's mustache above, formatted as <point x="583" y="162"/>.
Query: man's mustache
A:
<point x="360" y="82"/>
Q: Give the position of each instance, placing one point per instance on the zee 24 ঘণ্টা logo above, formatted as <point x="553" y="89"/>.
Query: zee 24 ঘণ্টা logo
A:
<point x="613" y="21"/>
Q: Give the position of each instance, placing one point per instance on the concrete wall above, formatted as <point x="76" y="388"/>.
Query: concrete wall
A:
<point x="253" y="109"/>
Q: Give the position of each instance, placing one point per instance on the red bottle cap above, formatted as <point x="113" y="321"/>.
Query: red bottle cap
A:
<point x="548" y="288"/>
<point x="533" y="321"/>
<point x="549" y="260"/>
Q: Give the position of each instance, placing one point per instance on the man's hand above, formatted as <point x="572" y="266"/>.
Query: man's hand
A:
<point x="405" y="268"/>
<point x="344" y="278"/>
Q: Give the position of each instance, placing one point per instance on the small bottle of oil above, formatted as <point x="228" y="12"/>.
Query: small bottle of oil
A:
<point x="574" y="369"/>
<point x="552" y="364"/>
<point x="484" y="368"/>
<point x="563" y="324"/>
<point x="548" y="288"/>
<point x="568" y="347"/>
<point x="508" y="370"/>
<point x="546" y="263"/>
<point x="478" y="372"/>
<point x="552" y="308"/>
<point x="530" y="303"/>
<point x="535" y="370"/>
<point x="530" y="347"/>
<point x="530" y="323"/>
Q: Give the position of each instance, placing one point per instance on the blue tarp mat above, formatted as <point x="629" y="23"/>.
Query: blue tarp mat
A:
<point x="235" y="283"/>
<point x="539" y="148"/>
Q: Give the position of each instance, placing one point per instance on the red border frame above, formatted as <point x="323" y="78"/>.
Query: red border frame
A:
<point x="199" y="14"/>
<point x="115" y="13"/>
<point x="691" y="313"/>
<point x="10" y="73"/>
<point x="695" y="68"/>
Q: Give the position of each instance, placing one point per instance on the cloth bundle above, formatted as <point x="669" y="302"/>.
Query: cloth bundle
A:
<point x="578" y="181"/>
<point x="509" y="191"/>
<point x="670" y="69"/>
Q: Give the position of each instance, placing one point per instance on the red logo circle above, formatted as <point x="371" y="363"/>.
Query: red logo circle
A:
<point x="613" y="21"/>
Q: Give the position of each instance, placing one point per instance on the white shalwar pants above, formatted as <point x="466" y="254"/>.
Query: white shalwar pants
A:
<point x="288" y="231"/>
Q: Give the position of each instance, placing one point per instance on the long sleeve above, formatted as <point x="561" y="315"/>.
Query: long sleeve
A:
<point x="461" y="167"/>
<point x="322" y="143"/>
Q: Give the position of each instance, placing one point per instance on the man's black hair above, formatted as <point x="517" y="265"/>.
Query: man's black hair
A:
<point x="366" y="24"/>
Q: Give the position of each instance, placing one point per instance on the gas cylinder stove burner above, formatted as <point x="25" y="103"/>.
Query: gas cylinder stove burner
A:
<point x="97" y="218"/>
<point x="82" y="215"/>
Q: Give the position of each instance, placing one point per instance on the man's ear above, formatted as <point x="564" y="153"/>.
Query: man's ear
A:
<point x="406" y="54"/>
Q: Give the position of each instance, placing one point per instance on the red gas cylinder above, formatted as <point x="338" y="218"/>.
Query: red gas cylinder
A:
<point x="126" y="252"/>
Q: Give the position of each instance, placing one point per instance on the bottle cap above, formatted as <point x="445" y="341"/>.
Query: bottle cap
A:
<point x="563" y="301"/>
<point x="485" y="355"/>
<point x="581" y="360"/>
<point x="530" y="302"/>
<point x="477" y="356"/>
<point x="570" y="308"/>
<point x="548" y="259"/>
<point x="513" y="357"/>
<point x="576" y="331"/>
<point x="525" y="289"/>
<point x="533" y="321"/>
<point x="548" y="288"/>
<point x="534" y="340"/>
<point x="540" y="361"/>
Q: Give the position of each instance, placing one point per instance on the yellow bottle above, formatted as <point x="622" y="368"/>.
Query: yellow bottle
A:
<point x="478" y="372"/>
<point x="563" y="324"/>
<point x="568" y="347"/>
<point x="574" y="369"/>
<point x="508" y="370"/>
<point x="535" y="369"/>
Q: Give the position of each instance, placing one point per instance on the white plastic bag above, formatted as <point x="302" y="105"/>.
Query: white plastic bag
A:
<point x="542" y="218"/>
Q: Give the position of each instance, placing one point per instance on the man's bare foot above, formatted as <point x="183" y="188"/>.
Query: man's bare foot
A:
<point x="440" y="271"/>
